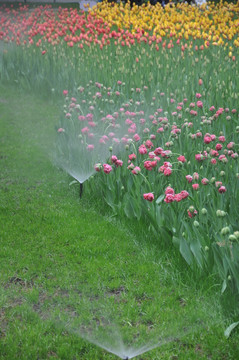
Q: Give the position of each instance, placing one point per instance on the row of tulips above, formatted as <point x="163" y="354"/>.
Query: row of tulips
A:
<point x="58" y="49"/>
<point x="215" y="26"/>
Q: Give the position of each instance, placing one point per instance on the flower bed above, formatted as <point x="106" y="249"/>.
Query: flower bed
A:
<point x="175" y="167"/>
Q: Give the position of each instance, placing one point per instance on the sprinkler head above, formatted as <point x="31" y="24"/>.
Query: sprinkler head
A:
<point x="126" y="358"/>
<point x="81" y="189"/>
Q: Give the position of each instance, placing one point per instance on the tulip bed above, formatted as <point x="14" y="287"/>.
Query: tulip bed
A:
<point x="151" y="100"/>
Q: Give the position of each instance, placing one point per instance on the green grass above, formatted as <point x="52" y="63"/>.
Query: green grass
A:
<point x="67" y="265"/>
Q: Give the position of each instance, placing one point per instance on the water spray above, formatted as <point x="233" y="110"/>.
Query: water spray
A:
<point x="81" y="190"/>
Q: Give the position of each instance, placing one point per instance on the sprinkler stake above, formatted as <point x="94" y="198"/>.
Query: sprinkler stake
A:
<point x="81" y="190"/>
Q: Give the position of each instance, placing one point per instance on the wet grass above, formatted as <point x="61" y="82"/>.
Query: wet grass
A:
<point x="67" y="267"/>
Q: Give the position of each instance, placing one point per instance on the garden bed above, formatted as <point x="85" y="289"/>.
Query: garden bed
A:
<point x="145" y="116"/>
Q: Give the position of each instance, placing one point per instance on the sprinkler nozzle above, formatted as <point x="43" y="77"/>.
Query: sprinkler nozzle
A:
<point x="81" y="189"/>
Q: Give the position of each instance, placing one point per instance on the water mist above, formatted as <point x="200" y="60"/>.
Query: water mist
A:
<point x="85" y="139"/>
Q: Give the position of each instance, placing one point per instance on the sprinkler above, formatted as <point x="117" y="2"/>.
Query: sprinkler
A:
<point x="81" y="189"/>
<point x="126" y="358"/>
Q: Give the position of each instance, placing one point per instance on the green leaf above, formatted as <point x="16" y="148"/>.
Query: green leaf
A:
<point x="132" y="207"/>
<point x="130" y="182"/>
<point x="110" y="199"/>
<point x="136" y="208"/>
<point x="151" y="218"/>
<point x="159" y="215"/>
<point x="229" y="329"/>
<point x="195" y="247"/>
<point x="218" y="256"/>
<point x="185" y="251"/>
<point x="160" y="199"/>
<point x="128" y="208"/>
<point x="224" y="286"/>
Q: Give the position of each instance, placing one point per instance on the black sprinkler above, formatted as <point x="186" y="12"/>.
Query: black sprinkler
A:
<point x="81" y="189"/>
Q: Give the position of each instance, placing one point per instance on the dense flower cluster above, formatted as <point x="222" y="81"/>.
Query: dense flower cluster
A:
<point x="170" y="195"/>
<point x="147" y="152"/>
<point x="109" y="23"/>
<point x="212" y="23"/>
